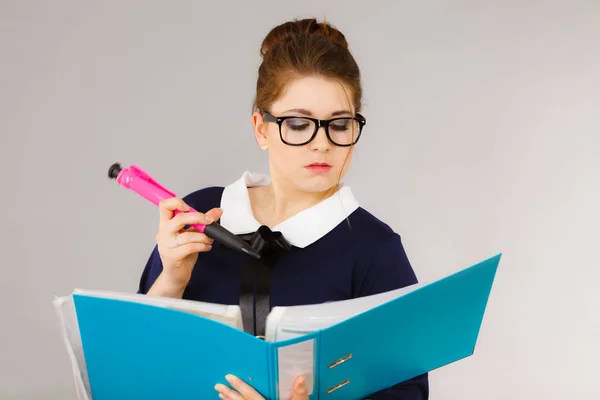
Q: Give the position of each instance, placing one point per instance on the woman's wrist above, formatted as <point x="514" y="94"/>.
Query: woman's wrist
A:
<point x="167" y="286"/>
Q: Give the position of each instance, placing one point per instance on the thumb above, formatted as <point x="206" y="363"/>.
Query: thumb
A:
<point x="300" y="391"/>
<point x="214" y="213"/>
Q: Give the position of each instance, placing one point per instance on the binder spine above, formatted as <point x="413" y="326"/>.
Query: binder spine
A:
<point x="273" y="371"/>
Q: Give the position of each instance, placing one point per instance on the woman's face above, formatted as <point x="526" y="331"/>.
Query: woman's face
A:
<point x="318" y="165"/>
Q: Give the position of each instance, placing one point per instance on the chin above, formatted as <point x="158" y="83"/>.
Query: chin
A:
<point x="318" y="183"/>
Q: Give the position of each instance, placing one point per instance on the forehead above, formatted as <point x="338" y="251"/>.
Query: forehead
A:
<point x="321" y="96"/>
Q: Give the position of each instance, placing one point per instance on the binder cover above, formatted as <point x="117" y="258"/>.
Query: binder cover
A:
<point x="134" y="350"/>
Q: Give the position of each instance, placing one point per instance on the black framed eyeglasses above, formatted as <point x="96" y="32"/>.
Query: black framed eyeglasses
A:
<point x="298" y="131"/>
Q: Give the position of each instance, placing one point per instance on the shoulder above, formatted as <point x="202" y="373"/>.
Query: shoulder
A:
<point x="370" y="228"/>
<point x="382" y="263"/>
<point x="375" y="238"/>
<point x="204" y="199"/>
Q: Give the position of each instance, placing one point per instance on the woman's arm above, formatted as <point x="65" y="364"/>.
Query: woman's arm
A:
<point x="153" y="283"/>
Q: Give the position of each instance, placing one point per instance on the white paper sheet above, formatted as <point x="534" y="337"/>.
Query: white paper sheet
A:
<point x="295" y="360"/>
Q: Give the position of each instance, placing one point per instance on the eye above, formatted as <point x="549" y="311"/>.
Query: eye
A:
<point x="341" y="125"/>
<point x="298" y="124"/>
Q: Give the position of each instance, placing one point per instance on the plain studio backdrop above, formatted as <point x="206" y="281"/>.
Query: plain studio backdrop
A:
<point x="483" y="137"/>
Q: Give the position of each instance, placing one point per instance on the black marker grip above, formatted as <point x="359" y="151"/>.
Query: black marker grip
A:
<point x="227" y="238"/>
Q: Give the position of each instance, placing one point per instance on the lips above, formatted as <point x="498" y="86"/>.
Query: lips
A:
<point x="318" y="167"/>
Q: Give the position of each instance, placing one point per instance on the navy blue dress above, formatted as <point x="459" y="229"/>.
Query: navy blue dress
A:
<point x="334" y="256"/>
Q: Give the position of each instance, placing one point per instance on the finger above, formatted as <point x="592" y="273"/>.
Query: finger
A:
<point x="209" y="217"/>
<point x="166" y="208"/>
<point x="183" y="251"/>
<point x="184" y="238"/>
<point x="300" y="390"/>
<point x="227" y="393"/>
<point x="180" y="221"/>
<point x="243" y="388"/>
<point x="214" y="214"/>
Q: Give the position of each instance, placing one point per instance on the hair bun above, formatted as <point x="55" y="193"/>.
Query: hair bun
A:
<point x="300" y="48"/>
<point x="290" y="30"/>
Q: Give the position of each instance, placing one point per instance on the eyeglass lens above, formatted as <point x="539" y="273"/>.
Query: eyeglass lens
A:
<point x="299" y="130"/>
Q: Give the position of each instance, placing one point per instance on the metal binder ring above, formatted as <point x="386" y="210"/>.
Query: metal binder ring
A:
<point x="340" y="360"/>
<point x="339" y="385"/>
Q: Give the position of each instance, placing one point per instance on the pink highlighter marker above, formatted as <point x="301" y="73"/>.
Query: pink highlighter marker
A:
<point x="142" y="183"/>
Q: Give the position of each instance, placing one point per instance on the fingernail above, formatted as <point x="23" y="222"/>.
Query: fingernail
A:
<point x="219" y="387"/>
<point x="230" y="378"/>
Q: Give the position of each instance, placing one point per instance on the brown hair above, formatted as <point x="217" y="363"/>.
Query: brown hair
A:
<point x="303" y="48"/>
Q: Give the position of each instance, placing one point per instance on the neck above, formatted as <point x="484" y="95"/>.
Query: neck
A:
<point x="288" y="201"/>
<point x="281" y="200"/>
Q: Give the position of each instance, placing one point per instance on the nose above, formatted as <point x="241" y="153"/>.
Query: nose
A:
<point x="321" y="142"/>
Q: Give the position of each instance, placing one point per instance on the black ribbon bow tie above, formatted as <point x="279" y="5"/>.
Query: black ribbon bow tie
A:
<point x="256" y="278"/>
<point x="266" y="240"/>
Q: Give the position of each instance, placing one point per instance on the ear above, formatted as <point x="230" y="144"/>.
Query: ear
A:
<point x="260" y="129"/>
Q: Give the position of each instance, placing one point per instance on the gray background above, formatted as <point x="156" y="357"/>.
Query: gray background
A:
<point x="483" y="137"/>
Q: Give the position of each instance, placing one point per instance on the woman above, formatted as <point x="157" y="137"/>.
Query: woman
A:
<point x="307" y="117"/>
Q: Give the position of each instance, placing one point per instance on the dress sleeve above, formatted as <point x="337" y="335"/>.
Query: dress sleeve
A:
<point x="151" y="271"/>
<point x="390" y="269"/>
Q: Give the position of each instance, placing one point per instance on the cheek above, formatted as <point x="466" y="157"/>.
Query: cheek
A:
<point x="343" y="157"/>
<point x="286" y="158"/>
<point x="273" y="135"/>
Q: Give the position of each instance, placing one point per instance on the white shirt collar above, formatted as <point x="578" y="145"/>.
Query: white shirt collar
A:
<point x="300" y="230"/>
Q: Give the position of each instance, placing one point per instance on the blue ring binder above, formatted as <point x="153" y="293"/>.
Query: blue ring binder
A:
<point x="138" y="347"/>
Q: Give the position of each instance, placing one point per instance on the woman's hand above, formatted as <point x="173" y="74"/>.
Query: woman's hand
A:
<point x="178" y="248"/>
<point x="242" y="391"/>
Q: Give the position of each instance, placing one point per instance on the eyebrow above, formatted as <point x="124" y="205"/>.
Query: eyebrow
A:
<point x="307" y="112"/>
